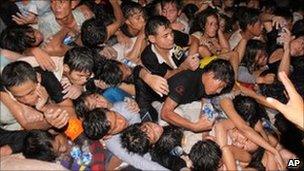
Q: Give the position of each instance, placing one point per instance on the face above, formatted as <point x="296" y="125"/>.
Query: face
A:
<point x="164" y="38"/>
<point x="117" y="122"/>
<point x="228" y="3"/>
<point x="38" y="37"/>
<point x="94" y="101"/>
<point x="136" y="21"/>
<point x="26" y="93"/>
<point x="170" y="11"/>
<point x="297" y="47"/>
<point x="212" y="85"/>
<point x="257" y="28"/>
<point x="211" y="26"/>
<point x="79" y="78"/>
<point x="153" y="130"/>
<point x="61" y="8"/>
<point x="261" y="58"/>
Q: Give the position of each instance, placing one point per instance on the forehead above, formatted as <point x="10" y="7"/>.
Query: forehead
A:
<point x="136" y="12"/>
<point x="162" y="30"/>
<point x="23" y="89"/>
<point x="169" y="5"/>
<point x="83" y="73"/>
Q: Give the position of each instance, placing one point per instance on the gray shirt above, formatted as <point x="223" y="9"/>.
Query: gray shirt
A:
<point x="114" y="145"/>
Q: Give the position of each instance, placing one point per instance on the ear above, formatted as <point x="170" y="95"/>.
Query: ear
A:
<point x="66" y="68"/>
<point x="38" y="77"/>
<point x="151" y="38"/>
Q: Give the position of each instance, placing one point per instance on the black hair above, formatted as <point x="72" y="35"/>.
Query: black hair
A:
<point x="202" y="17"/>
<point x="17" y="38"/>
<point x="249" y="59"/>
<point x="223" y="71"/>
<point x="110" y="73"/>
<point x="80" y="59"/>
<point x="247" y="16"/>
<point x="178" y="3"/>
<point x="190" y="10"/>
<point x="129" y="8"/>
<point x="274" y="90"/>
<point x="154" y="23"/>
<point x="150" y="8"/>
<point x="162" y="151"/>
<point x="205" y="155"/>
<point x="95" y="124"/>
<point x="298" y="28"/>
<point x="16" y="73"/>
<point x="93" y="33"/>
<point x="256" y="161"/>
<point x="135" y="140"/>
<point x="80" y="107"/>
<point x="249" y="109"/>
<point x="283" y="12"/>
<point x="38" y="145"/>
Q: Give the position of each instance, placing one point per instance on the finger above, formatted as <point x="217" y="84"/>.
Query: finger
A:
<point x="67" y="95"/>
<point x="277" y="104"/>
<point x="66" y="90"/>
<point x="287" y="84"/>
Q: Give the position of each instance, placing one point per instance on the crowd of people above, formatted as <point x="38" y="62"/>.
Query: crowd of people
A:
<point x="151" y="84"/>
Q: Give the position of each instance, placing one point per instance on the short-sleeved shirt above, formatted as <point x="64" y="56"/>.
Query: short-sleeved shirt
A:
<point x="186" y="87"/>
<point x="155" y="63"/>
<point x="52" y="85"/>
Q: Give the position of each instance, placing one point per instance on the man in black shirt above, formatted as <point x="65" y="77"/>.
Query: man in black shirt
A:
<point x="164" y="57"/>
<point x="188" y="86"/>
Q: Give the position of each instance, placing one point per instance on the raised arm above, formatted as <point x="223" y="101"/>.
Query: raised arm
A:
<point x="119" y="19"/>
<point x="252" y="135"/>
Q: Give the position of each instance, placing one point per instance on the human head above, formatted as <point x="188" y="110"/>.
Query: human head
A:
<point x="100" y="122"/>
<point x="249" y="20"/>
<point x="62" y="9"/>
<point x="208" y="22"/>
<point x="248" y="109"/>
<point x="171" y="9"/>
<point x="93" y="33"/>
<point x="42" y="145"/>
<point x="274" y="90"/>
<point x="159" y="32"/>
<point x="139" y="137"/>
<point x="172" y="137"/>
<point x="253" y="4"/>
<point x="285" y="13"/>
<point x="113" y="72"/>
<point x="22" y="81"/>
<point x="297" y="45"/>
<point x="88" y="101"/>
<point x="78" y="64"/>
<point x="218" y="77"/>
<point x="18" y="38"/>
<point x="205" y="155"/>
<point x="134" y="14"/>
<point x="255" y="55"/>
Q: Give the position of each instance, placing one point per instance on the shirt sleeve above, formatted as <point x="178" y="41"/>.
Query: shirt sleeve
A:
<point x="177" y="88"/>
<point x="52" y="86"/>
<point x="139" y="162"/>
<point x="180" y="38"/>
<point x="150" y="61"/>
<point x="244" y="76"/>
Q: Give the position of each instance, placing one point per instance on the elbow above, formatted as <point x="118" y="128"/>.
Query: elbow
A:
<point x="164" y="114"/>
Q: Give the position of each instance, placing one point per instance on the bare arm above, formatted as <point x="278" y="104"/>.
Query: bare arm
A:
<point x="223" y="42"/>
<point x="252" y="135"/>
<point x="138" y="47"/>
<point x="168" y="114"/>
<point x="27" y="117"/>
<point x="112" y="28"/>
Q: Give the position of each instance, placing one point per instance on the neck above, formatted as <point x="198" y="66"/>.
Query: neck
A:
<point x="67" y="21"/>
<point x="163" y="52"/>
<point x="133" y="32"/>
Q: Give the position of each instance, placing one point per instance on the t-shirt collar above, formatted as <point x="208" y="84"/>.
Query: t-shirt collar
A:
<point x="160" y="59"/>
